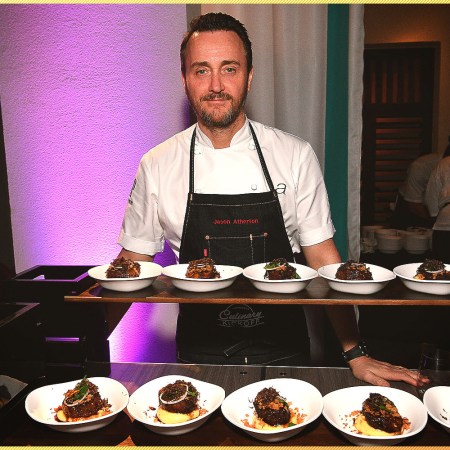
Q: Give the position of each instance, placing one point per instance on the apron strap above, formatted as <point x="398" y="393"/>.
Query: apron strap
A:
<point x="261" y="159"/>
<point x="258" y="149"/>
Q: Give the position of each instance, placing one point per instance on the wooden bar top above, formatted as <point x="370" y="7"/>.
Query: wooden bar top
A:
<point x="217" y="431"/>
<point x="243" y="292"/>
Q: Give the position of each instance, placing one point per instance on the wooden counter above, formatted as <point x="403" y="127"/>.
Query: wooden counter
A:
<point x="242" y="291"/>
<point x="217" y="431"/>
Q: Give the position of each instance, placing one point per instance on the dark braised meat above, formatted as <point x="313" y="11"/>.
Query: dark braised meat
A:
<point x="382" y="414"/>
<point x="352" y="270"/>
<point x="432" y="269"/>
<point x="123" y="268"/>
<point x="83" y="401"/>
<point x="179" y="397"/>
<point x="280" y="269"/>
<point x="202" y="269"/>
<point x="271" y="407"/>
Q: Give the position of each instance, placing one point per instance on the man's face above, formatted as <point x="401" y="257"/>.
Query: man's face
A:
<point x="216" y="79"/>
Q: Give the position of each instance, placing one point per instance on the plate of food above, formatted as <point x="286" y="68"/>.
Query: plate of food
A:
<point x="437" y="402"/>
<point x="430" y="277"/>
<point x="175" y="404"/>
<point x="77" y="406"/>
<point x="202" y="275"/>
<point x="280" y="276"/>
<point x="374" y="415"/>
<point x="355" y="277"/>
<point x="125" y="275"/>
<point x="273" y="410"/>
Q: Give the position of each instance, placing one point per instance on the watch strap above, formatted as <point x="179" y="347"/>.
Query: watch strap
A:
<point x="356" y="352"/>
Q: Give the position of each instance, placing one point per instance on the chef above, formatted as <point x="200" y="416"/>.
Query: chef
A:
<point x="241" y="193"/>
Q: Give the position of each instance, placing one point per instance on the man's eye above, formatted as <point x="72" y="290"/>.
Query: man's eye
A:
<point x="201" y="71"/>
<point x="230" y="69"/>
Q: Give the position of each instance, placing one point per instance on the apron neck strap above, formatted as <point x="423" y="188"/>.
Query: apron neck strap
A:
<point x="258" y="149"/>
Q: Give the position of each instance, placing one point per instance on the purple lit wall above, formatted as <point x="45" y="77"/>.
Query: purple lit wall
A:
<point x="85" y="91"/>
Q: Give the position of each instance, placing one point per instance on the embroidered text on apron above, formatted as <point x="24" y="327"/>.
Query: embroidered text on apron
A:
<point x="239" y="230"/>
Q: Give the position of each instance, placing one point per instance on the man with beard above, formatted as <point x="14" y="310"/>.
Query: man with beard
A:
<point x="254" y="193"/>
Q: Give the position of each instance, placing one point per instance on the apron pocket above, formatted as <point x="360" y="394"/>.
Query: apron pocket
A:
<point x="241" y="251"/>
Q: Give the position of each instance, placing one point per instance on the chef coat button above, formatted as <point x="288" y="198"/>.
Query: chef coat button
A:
<point x="251" y="146"/>
<point x="254" y="187"/>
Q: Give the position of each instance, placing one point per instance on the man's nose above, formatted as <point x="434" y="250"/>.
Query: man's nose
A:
<point x="216" y="82"/>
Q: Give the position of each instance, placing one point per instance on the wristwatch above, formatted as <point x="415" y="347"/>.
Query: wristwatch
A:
<point x="356" y="352"/>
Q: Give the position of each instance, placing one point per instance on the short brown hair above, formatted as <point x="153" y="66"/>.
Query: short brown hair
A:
<point x="217" y="22"/>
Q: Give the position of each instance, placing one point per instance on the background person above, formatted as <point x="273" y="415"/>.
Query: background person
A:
<point x="437" y="199"/>
<point x="410" y="209"/>
<point x="254" y="193"/>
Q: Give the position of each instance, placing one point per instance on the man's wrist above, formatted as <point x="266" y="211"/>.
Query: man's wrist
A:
<point x="355" y="352"/>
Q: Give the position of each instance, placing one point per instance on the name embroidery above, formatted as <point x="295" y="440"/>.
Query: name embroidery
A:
<point x="235" y="221"/>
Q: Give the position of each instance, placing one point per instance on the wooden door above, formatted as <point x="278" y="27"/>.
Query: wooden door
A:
<point x="399" y="89"/>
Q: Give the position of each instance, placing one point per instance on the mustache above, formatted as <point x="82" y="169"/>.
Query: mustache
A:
<point x="220" y="96"/>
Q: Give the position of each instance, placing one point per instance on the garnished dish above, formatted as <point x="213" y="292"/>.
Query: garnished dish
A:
<point x="123" y="268"/>
<point x="352" y="270"/>
<point x="125" y="275"/>
<point x="178" y="402"/>
<point x="201" y="275"/>
<point x="432" y="269"/>
<point x="356" y="278"/>
<point x="273" y="411"/>
<point x="81" y="403"/>
<point x="280" y="269"/>
<point x="429" y="277"/>
<point x="77" y="406"/>
<point x="202" y="269"/>
<point x="172" y="405"/>
<point x="279" y="276"/>
<point x="374" y="415"/>
<point x="437" y="402"/>
<point x="380" y="417"/>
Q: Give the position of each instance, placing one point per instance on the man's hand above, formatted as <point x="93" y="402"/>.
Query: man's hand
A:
<point x="378" y="373"/>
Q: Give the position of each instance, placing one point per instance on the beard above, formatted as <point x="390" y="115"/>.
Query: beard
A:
<point x="217" y="119"/>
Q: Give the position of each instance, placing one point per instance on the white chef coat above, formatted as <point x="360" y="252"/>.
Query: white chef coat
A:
<point x="437" y="197"/>
<point x="157" y="202"/>
<point x="418" y="173"/>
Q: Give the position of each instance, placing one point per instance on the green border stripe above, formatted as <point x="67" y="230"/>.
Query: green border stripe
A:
<point x="336" y="122"/>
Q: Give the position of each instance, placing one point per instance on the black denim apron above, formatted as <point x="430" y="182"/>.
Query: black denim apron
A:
<point x="239" y="230"/>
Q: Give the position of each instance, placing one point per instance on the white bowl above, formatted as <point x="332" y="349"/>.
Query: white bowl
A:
<point x="389" y="243"/>
<point x="177" y="274"/>
<point x="386" y="232"/>
<point x="368" y="231"/>
<point x="238" y="406"/>
<point x="144" y="402"/>
<point x="40" y="404"/>
<point x="381" y="278"/>
<point x="416" y="243"/>
<point x="149" y="272"/>
<point x="255" y="274"/>
<point x="406" y="273"/>
<point x="437" y="402"/>
<point x="339" y="405"/>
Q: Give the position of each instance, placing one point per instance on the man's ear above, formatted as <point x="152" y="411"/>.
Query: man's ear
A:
<point x="183" y="80"/>
<point x="250" y="78"/>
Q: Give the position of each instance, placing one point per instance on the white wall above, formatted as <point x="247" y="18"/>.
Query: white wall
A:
<point x="85" y="91"/>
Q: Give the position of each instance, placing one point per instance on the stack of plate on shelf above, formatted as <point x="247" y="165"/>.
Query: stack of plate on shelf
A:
<point x="388" y="240"/>
<point x="417" y="240"/>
